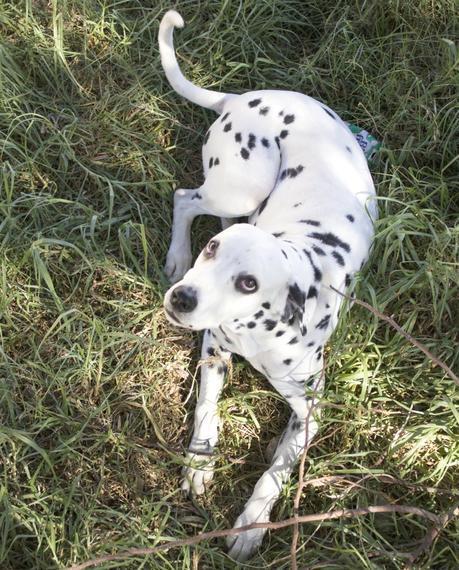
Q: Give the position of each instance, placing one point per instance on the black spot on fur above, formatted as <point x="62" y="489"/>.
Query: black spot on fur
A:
<point x="284" y="254"/>
<point x="287" y="361"/>
<point x="196" y="196"/>
<point x="293" y="340"/>
<point x="206" y="138"/>
<point x="289" y="119"/>
<point x="281" y="113"/>
<point x="280" y="333"/>
<point x="263" y="205"/>
<point x="339" y="258"/>
<point x="329" y="113"/>
<point x="348" y="148"/>
<point x="227" y="127"/>
<point x="245" y="153"/>
<point x="252" y="141"/>
<point x="323" y="323"/>
<point x="303" y="330"/>
<point x="310" y="222"/>
<point x="291" y="172"/>
<point x="269" y="324"/>
<point x="319" y="355"/>
<point x="310" y="381"/>
<point x="225" y="336"/>
<point x="347" y="280"/>
<point x="296" y="425"/>
<point x="297" y="204"/>
<point x="278" y="234"/>
<point x="264" y="111"/>
<point x="258" y="314"/>
<point x="294" y="304"/>
<point x="216" y="161"/>
<point x="254" y="102"/>
<point x="222" y="369"/>
<point x="312" y="343"/>
<point x="211" y="162"/>
<point x="312" y="292"/>
<point x="296" y="294"/>
<point x="350" y="217"/>
<point x="225" y="116"/>
<point x="318" y="250"/>
<point x="277" y="141"/>
<point x="266" y="305"/>
<point x="211" y="351"/>
<point x="238" y="137"/>
<point x="283" y="133"/>
<point x="317" y="271"/>
<point x="327" y="306"/>
<point x="251" y="325"/>
<point x="265" y="142"/>
<point x="330" y="239"/>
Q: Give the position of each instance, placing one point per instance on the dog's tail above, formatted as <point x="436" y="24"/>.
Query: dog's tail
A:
<point x="204" y="97"/>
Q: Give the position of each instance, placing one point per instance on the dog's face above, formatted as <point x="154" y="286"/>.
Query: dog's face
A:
<point x="239" y="269"/>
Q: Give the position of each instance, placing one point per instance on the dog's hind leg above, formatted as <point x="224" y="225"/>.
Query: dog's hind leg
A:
<point x="191" y="203"/>
<point x="187" y="205"/>
<point x="199" y="461"/>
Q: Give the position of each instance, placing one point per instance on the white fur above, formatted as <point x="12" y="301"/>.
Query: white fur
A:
<point x="291" y="165"/>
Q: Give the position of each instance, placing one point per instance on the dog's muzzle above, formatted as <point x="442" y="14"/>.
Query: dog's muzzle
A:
<point x="183" y="299"/>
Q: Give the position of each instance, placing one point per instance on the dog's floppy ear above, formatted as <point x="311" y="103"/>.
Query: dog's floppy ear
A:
<point x="300" y="305"/>
<point x="294" y="305"/>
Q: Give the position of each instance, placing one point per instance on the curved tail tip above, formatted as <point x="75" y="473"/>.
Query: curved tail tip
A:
<point x="173" y="18"/>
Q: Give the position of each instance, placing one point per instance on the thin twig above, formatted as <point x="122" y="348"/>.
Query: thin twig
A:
<point x="301" y="482"/>
<point x="398" y="328"/>
<point x="329" y="480"/>
<point x="319" y="517"/>
<point x="444" y="519"/>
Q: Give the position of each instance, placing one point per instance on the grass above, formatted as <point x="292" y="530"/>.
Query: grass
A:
<point x="97" y="389"/>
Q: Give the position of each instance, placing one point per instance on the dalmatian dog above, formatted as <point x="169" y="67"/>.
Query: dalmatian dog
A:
<point x="265" y="289"/>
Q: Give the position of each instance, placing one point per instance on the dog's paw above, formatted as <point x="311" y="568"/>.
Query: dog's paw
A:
<point x="243" y="546"/>
<point x="177" y="264"/>
<point x="197" y="473"/>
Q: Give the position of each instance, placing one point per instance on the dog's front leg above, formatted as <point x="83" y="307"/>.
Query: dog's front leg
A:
<point x="199" y="468"/>
<point x="300" y="430"/>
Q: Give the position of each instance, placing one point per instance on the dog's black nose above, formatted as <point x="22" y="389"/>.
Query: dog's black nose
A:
<point x="184" y="299"/>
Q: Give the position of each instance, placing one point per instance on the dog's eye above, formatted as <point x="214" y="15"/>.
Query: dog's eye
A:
<point x="211" y="248"/>
<point x="246" y="284"/>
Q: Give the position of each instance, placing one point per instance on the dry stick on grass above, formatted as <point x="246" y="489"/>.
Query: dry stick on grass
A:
<point x="319" y="517"/>
<point x="444" y="519"/>
<point x="301" y="482"/>
<point x="354" y="481"/>
<point x="439" y="522"/>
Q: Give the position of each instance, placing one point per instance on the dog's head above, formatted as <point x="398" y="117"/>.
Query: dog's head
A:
<point x="239" y="271"/>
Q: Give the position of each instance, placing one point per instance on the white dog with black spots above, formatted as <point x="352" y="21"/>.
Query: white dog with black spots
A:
<point x="264" y="289"/>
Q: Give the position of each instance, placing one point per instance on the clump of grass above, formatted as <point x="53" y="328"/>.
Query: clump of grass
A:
<point x="97" y="389"/>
